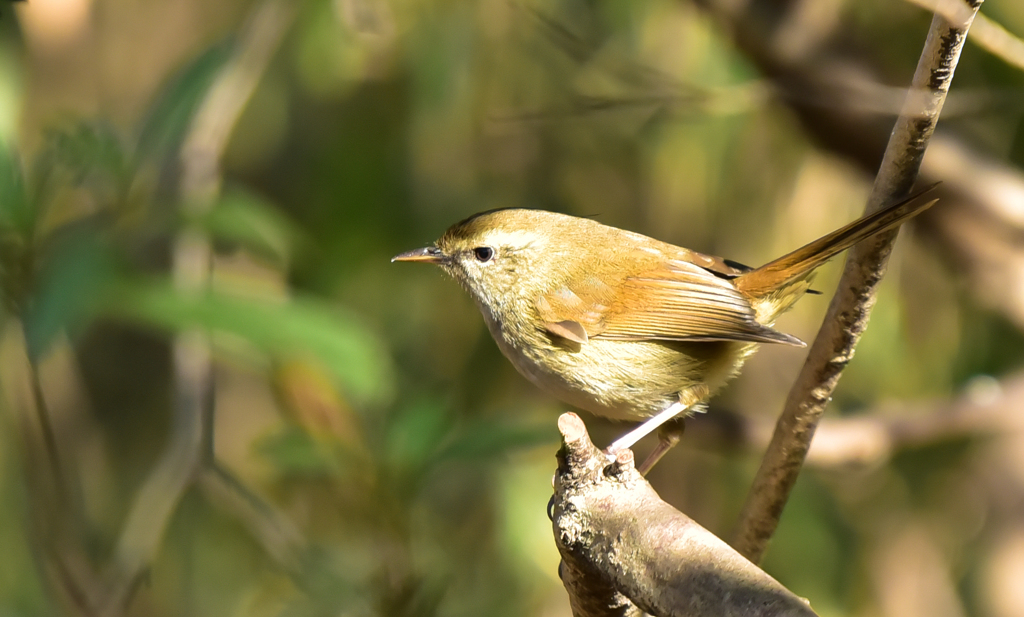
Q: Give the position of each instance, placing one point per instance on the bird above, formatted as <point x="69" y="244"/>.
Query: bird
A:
<point x="620" y="324"/>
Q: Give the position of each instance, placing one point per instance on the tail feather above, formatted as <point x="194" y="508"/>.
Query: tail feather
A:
<point x="777" y="274"/>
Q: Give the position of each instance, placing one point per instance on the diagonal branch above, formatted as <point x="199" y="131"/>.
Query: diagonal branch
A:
<point x="625" y="551"/>
<point x="277" y="534"/>
<point x="851" y="306"/>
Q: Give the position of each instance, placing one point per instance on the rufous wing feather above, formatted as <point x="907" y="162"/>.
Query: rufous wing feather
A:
<point x="675" y="300"/>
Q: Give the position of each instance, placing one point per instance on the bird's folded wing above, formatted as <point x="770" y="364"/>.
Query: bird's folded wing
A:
<point x="674" y="301"/>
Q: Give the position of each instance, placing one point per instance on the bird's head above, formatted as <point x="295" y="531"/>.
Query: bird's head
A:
<point x="502" y="255"/>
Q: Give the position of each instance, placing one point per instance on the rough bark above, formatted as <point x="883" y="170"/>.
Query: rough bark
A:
<point x="624" y="550"/>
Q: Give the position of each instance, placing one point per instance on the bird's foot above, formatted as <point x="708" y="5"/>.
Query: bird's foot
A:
<point x="668" y="436"/>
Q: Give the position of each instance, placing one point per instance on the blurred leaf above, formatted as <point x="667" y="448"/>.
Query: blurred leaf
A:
<point x="308" y="395"/>
<point x="15" y="208"/>
<point x="171" y="113"/>
<point x="416" y="434"/>
<point x="294" y="452"/>
<point x="488" y="439"/>
<point x="245" y="218"/>
<point x="17" y="220"/>
<point x="417" y="596"/>
<point x="85" y="155"/>
<point x="336" y="581"/>
<point x="423" y="434"/>
<point x="87" y="151"/>
<point x="355" y="356"/>
<point x="68" y="288"/>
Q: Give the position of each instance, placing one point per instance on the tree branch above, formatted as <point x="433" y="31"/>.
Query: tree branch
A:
<point x="851" y="306"/>
<point x="277" y="534"/>
<point x="55" y="518"/>
<point x="625" y="550"/>
<point x="976" y="221"/>
<point x="987" y="407"/>
<point x="191" y="444"/>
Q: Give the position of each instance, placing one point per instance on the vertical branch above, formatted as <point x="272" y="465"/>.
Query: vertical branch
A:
<point x="49" y="435"/>
<point x="851" y="306"/>
<point x="54" y="516"/>
<point x="191" y="444"/>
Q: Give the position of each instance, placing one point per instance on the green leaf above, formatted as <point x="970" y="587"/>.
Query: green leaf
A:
<point x="16" y="213"/>
<point x="489" y="439"/>
<point x="84" y="154"/>
<point x="247" y="219"/>
<point x="415" y="435"/>
<point x="300" y="326"/>
<point x="68" y="288"/>
<point x="424" y="434"/>
<point x="170" y="115"/>
<point x="86" y="149"/>
<point x="294" y="452"/>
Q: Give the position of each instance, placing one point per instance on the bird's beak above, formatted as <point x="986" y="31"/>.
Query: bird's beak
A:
<point x="430" y="255"/>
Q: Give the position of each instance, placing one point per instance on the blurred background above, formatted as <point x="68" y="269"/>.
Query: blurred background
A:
<point x="220" y="398"/>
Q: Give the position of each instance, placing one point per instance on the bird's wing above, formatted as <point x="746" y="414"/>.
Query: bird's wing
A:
<point x="719" y="266"/>
<point x="672" y="300"/>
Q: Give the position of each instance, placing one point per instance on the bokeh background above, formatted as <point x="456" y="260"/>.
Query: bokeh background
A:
<point x="220" y="398"/>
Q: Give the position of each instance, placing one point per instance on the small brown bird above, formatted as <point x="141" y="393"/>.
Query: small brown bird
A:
<point x="623" y="325"/>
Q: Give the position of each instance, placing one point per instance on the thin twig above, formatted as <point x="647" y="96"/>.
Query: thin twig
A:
<point x="850" y="307"/>
<point x="998" y="41"/>
<point x="63" y="490"/>
<point x="987" y="407"/>
<point x="976" y="223"/>
<point x="278" y="535"/>
<point x="55" y="519"/>
<point x="191" y="441"/>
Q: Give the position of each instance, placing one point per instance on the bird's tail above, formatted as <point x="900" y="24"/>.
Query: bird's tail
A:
<point x="777" y="275"/>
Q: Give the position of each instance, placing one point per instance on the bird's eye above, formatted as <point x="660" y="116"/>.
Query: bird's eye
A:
<point x="483" y="253"/>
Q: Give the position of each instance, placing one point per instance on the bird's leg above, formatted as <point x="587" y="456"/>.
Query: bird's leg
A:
<point x="646" y="428"/>
<point x="668" y="436"/>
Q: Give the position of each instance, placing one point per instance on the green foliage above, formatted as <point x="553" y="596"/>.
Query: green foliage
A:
<point x="84" y="155"/>
<point x="294" y="327"/>
<point x="16" y="222"/>
<point x="170" y="114"/>
<point x="495" y="438"/>
<point x="68" y="289"/>
<point x="416" y="469"/>
<point x="55" y="229"/>
<point x="245" y="219"/>
<point x="16" y="214"/>
<point x="294" y="452"/>
<point x="414" y="436"/>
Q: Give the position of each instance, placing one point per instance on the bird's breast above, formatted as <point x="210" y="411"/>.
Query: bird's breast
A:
<point x="623" y="380"/>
